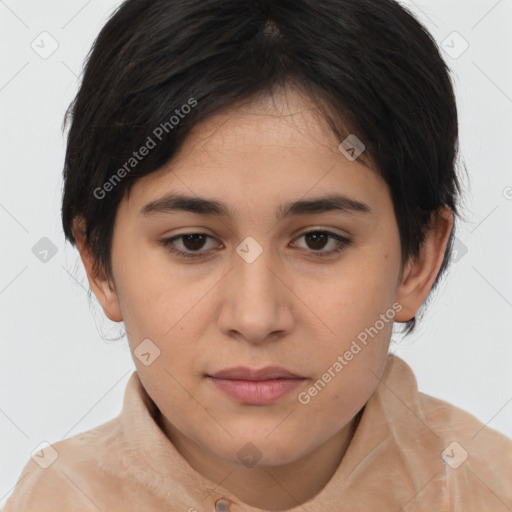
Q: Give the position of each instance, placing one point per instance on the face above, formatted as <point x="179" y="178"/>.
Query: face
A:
<point x="311" y="290"/>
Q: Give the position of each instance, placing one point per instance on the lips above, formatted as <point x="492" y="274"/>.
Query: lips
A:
<point x="245" y="373"/>
<point x="255" y="387"/>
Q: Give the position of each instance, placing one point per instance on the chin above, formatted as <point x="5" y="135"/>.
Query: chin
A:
<point x="258" y="450"/>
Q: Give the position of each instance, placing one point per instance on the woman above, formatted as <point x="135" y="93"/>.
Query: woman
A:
<point x="259" y="191"/>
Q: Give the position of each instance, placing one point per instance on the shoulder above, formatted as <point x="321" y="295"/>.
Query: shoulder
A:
<point x="63" y="476"/>
<point x="450" y="422"/>
<point x="477" y="457"/>
<point x="43" y="491"/>
<point x="446" y="420"/>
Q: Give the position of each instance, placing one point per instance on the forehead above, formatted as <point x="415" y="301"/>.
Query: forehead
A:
<point x="270" y="151"/>
<point x="286" y="120"/>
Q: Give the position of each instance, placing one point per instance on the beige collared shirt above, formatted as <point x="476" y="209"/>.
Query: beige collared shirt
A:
<point x="410" y="453"/>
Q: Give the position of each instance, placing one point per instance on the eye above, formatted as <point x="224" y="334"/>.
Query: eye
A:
<point x="194" y="242"/>
<point x="191" y="241"/>
<point x="317" y="241"/>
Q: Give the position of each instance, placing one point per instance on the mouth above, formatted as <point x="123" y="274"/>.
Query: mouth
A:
<point x="255" y="387"/>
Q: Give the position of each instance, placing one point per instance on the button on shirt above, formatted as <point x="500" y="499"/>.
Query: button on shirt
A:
<point x="410" y="452"/>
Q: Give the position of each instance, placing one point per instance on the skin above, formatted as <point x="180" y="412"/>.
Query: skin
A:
<point x="288" y="307"/>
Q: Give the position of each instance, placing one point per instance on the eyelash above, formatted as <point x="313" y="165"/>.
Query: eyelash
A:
<point x="344" y="243"/>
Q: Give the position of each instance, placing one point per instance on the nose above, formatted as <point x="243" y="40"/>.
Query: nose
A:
<point x="257" y="302"/>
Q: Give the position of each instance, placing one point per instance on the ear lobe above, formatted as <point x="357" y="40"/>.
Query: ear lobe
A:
<point x="106" y="295"/>
<point x="421" y="272"/>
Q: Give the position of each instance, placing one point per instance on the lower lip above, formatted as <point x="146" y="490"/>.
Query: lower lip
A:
<point x="256" y="392"/>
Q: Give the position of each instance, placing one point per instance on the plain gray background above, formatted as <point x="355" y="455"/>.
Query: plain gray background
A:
<point x="58" y="377"/>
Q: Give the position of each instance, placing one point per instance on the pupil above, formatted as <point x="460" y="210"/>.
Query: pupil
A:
<point x="315" y="237"/>
<point x="193" y="246"/>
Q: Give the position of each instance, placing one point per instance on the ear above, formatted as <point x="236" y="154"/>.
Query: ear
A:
<point x="420" y="273"/>
<point x="106" y="295"/>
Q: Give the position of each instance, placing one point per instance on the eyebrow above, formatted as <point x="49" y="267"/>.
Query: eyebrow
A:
<point x="173" y="203"/>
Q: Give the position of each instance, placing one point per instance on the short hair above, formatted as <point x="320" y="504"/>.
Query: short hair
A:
<point x="371" y="68"/>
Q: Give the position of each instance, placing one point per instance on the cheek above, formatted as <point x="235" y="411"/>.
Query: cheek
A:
<point x="151" y="302"/>
<point x="357" y="316"/>
<point x="173" y="321"/>
<point x="353" y="299"/>
<point x="347" y="374"/>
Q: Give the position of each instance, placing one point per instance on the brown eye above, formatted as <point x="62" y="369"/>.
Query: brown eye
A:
<point x="316" y="241"/>
<point x="192" y="244"/>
